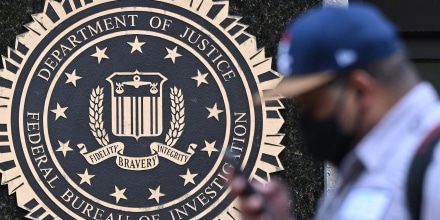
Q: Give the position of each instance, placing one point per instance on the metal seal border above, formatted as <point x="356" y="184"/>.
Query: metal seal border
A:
<point x="215" y="12"/>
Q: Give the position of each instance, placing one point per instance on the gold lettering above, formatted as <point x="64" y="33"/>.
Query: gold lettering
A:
<point x="132" y="19"/>
<point x="46" y="172"/>
<point x="73" y="41"/>
<point x="156" y="22"/>
<point x="65" y="49"/>
<point x="50" y="182"/>
<point x="38" y="149"/>
<point x="166" y="24"/>
<point x="50" y="63"/>
<point x="209" y="191"/>
<point x="96" y="30"/>
<point x="119" y="21"/>
<point x="240" y="131"/>
<point x="240" y="118"/>
<point x="99" y="212"/>
<point x="44" y="74"/>
<point x="228" y="75"/>
<point x="41" y="159"/>
<point x="56" y="54"/>
<point x="202" y="199"/>
<point x="88" y="208"/>
<point x="82" y="33"/>
<point x="108" y="24"/>
<point x="34" y="138"/>
<point x="68" y="195"/>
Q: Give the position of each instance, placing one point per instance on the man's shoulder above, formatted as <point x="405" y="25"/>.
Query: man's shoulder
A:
<point x="430" y="191"/>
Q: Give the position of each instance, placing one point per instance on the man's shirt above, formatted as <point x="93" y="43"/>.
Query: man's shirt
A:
<point x="372" y="181"/>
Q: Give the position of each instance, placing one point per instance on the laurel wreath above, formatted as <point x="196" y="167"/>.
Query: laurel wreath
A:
<point x="177" y="122"/>
<point x="96" y="122"/>
<point x="95" y="116"/>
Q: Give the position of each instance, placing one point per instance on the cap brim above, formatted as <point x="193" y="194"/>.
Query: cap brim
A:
<point x="297" y="85"/>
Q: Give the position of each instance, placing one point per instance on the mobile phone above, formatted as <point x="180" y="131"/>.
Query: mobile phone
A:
<point x="249" y="189"/>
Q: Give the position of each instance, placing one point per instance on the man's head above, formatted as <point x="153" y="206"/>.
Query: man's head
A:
<point x="347" y="67"/>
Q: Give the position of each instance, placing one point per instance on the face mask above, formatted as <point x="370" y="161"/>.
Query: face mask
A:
<point x="325" y="138"/>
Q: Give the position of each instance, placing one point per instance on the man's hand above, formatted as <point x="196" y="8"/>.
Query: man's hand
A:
<point x="267" y="203"/>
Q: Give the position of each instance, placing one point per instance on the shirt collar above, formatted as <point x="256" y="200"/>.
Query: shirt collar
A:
<point x="395" y="119"/>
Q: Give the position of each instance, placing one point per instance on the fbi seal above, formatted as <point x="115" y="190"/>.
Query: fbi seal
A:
<point x="124" y="110"/>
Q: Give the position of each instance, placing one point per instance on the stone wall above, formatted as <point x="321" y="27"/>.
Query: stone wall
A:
<point x="266" y="20"/>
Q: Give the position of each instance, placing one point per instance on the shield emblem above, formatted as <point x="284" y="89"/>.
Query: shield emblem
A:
<point x="137" y="104"/>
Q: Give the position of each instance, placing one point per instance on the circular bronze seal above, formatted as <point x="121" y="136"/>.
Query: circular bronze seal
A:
<point x="125" y="110"/>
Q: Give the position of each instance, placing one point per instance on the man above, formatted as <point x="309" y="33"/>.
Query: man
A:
<point x="363" y="108"/>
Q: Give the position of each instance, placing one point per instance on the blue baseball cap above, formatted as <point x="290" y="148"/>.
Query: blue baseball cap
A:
<point x="326" y="42"/>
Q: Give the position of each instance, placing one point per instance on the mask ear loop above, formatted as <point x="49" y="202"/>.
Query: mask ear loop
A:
<point x="341" y="96"/>
<point x="358" y="121"/>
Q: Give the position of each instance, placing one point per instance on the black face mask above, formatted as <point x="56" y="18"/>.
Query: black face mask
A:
<point x="325" y="138"/>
